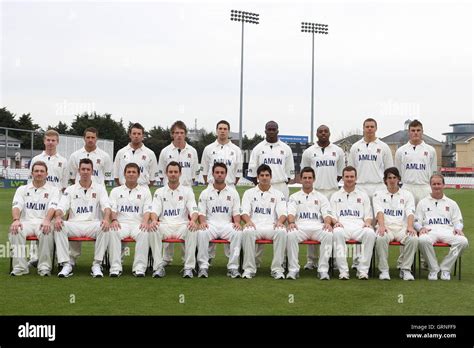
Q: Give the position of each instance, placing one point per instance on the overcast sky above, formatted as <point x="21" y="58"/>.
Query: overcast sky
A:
<point x="159" y="61"/>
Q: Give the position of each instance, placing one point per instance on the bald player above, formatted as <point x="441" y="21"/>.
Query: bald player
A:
<point x="264" y="214"/>
<point x="89" y="216"/>
<point x="131" y="206"/>
<point x="309" y="218"/>
<point x="33" y="208"/>
<point x="57" y="173"/>
<point x="327" y="161"/>
<point x="279" y="157"/>
<point x="439" y="219"/>
<point x="219" y="216"/>
<point x="353" y="220"/>
<point x="395" y="213"/>
<point x="174" y="215"/>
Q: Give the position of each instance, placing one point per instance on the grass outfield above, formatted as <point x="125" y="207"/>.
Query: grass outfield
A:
<point x="219" y="295"/>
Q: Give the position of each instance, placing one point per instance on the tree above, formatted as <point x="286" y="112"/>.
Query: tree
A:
<point x="61" y="128"/>
<point x="108" y="128"/>
<point x="204" y="139"/>
<point x="26" y="122"/>
<point x="250" y="143"/>
<point x="7" y="119"/>
<point x="157" y="139"/>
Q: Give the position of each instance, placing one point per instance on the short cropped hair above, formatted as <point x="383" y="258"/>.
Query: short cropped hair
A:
<point x="39" y="163"/>
<point x="175" y="164"/>
<point x="131" y="165"/>
<point x="308" y="170"/>
<point x="349" y="169"/>
<point x="219" y="164"/>
<point x="86" y="161"/>
<point x="264" y="168"/>
<point x="92" y="130"/>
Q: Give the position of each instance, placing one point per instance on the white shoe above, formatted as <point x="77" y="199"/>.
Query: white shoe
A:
<point x="323" y="276"/>
<point x="384" y="275"/>
<point x="66" y="271"/>
<point x="278" y="275"/>
<point x="159" y="273"/>
<point x="445" y="275"/>
<point x="115" y="274"/>
<point x="433" y="276"/>
<point x="96" y="271"/>
<point x="309" y="266"/>
<point x="292" y="275"/>
<point x="166" y="263"/>
<point x="407" y="275"/>
<point x="344" y="276"/>
<point x="363" y="276"/>
<point x="18" y="272"/>
<point x="188" y="273"/>
<point x="248" y="275"/>
<point x="139" y="274"/>
<point x="44" y="273"/>
<point x="233" y="273"/>
<point x="33" y="263"/>
<point x="203" y="273"/>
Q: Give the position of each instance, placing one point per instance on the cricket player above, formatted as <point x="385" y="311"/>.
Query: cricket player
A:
<point x="32" y="210"/>
<point x="264" y="214"/>
<point x="416" y="162"/>
<point x="57" y="164"/>
<point x="136" y="152"/>
<point x="395" y="213"/>
<point x="353" y="212"/>
<point x="172" y="204"/>
<point x="439" y="219"/>
<point x="86" y="202"/>
<point x="279" y="157"/>
<point x="102" y="169"/>
<point x="327" y="161"/>
<point x="309" y="218"/>
<point x="219" y="216"/>
<point x="186" y="155"/>
<point x="131" y="206"/>
<point x="370" y="156"/>
<point x="101" y="159"/>
<point x="183" y="153"/>
<point x="224" y="151"/>
<point x="57" y="174"/>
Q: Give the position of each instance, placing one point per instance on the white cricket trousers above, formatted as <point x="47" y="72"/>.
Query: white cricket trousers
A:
<point x="353" y="230"/>
<point x="224" y="231"/>
<point x="312" y="251"/>
<point x="90" y="229"/>
<point x="178" y="231"/>
<point x="418" y="191"/>
<point x="142" y="245"/>
<point x="45" y="247"/>
<point x="306" y="232"/>
<point x="396" y="233"/>
<point x="263" y="231"/>
<point x="444" y="235"/>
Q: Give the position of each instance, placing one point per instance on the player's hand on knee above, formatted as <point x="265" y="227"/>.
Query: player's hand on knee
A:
<point x="381" y="230"/>
<point x="46" y="226"/>
<point x="192" y="226"/>
<point x="411" y="231"/>
<point x="153" y="226"/>
<point x="327" y="227"/>
<point x="58" y="224"/>
<point x="249" y="224"/>
<point x="16" y="226"/>
<point x="237" y="226"/>
<point x="458" y="232"/>
<point x="292" y="227"/>
<point x="143" y="226"/>
<point x="105" y="225"/>
<point x="278" y="225"/>
<point x="338" y="224"/>
<point x="424" y="230"/>
<point x="203" y="226"/>
<point x="115" y="225"/>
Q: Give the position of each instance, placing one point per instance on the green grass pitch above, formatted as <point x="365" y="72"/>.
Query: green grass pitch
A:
<point x="219" y="295"/>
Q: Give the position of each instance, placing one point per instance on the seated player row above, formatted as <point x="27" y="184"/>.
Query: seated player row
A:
<point x="172" y="213"/>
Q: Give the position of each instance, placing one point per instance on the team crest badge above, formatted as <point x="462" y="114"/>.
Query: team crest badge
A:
<point x="94" y="195"/>
<point x="144" y="157"/>
<point x="333" y="154"/>
<point x="316" y="202"/>
<point x="282" y="152"/>
<point x="139" y="196"/>
<point x="232" y="153"/>
<point x="46" y="195"/>
<point x="189" y="155"/>
<point x="402" y="201"/>
<point x="379" y="150"/>
<point x="229" y="198"/>
<point x="60" y="164"/>
<point x="180" y="198"/>
<point x="98" y="161"/>
<point x="426" y="153"/>
<point x="447" y="208"/>
<point x="359" y="200"/>
<point x="272" y="200"/>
